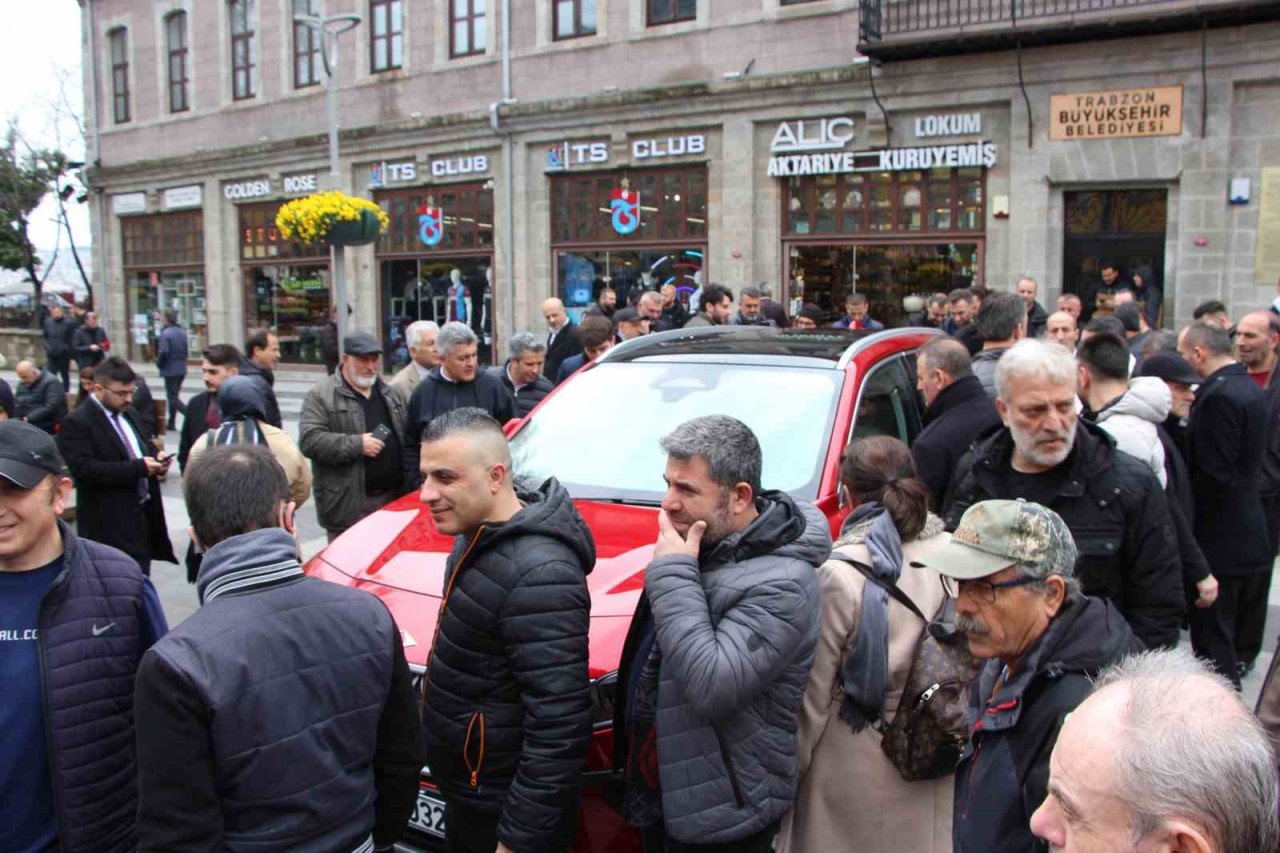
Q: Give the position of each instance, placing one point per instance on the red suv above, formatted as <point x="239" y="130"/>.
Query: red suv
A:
<point x="805" y="394"/>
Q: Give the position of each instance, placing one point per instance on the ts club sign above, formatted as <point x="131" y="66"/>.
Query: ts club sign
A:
<point x="430" y="223"/>
<point x="625" y="207"/>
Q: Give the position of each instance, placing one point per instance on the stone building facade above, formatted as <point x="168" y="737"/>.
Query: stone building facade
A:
<point x="750" y="143"/>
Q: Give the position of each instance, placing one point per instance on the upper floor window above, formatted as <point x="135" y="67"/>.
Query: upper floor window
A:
<point x="467" y="30"/>
<point x="574" y="18"/>
<point x="670" y="11"/>
<point x="386" y="40"/>
<point x="306" y="45"/>
<point x="242" y="49"/>
<point x="175" y="34"/>
<point x="119" y="38"/>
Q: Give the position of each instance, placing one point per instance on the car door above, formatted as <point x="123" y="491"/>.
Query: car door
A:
<point x="888" y="403"/>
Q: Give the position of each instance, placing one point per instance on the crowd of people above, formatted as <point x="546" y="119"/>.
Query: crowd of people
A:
<point x="984" y="658"/>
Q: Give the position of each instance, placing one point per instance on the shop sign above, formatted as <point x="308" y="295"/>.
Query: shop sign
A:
<point x="625" y="207"/>
<point x="452" y="167"/>
<point x="385" y="173"/>
<point x="824" y="134"/>
<point x="177" y="198"/>
<point x="960" y="155"/>
<point x="1155" y="111"/>
<point x="671" y="146"/>
<point x="126" y="203"/>
<point x="955" y="124"/>
<point x="299" y="184"/>
<point x="430" y="223"/>
<point x="247" y="189"/>
<point x="567" y="155"/>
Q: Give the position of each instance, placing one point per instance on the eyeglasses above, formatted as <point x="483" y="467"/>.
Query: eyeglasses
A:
<point x="979" y="590"/>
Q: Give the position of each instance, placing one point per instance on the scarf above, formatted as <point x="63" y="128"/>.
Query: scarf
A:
<point x="244" y="431"/>
<point x="864" y="677"/>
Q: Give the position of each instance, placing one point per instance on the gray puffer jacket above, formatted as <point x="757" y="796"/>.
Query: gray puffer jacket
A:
<point x="737" y="631"/>
<point x="1132" y="420"/>
<point x="984" y="367"/>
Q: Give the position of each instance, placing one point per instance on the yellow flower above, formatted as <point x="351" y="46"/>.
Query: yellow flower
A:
<point x="310" y="219"/>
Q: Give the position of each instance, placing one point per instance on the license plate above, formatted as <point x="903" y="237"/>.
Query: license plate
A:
<point x="428" y="814"/>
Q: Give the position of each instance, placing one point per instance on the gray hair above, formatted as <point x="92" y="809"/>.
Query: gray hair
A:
<point x="766" y="289"/>
<point x="938" y="299"/>
<point x="523" y="342"/>
<point x="454" y="334"/>
<point x="650" y="296"/>
<point x="1035" y="358"/>
<point x="415" y="330"/>
<point x="750" y="290"/>
<point x="948" y="355"/>
<point x="1000" y="316"/>
<point x="1189" y="748"/>
<point x="728" y="446"/>
<point x="1159" y="340"/>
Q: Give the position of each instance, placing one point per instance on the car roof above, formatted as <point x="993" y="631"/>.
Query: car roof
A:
<point x="822" y="348"/>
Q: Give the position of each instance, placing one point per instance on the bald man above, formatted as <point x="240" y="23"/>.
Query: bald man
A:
<point x="562" y="337"/>
<point x="1062" y="329"/>
<point x="40" y="399"/>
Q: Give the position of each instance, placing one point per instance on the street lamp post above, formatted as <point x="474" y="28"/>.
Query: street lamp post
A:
<point x="330" y="28"/>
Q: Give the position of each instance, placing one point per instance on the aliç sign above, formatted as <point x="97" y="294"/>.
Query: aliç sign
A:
<point x="811" y="147"/>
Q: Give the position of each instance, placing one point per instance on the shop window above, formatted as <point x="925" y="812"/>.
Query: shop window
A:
<point x="451" y="287"/>
<point x="175" y="29"/>
<point x="386" y="34"/>
<point x="119" y="41"/>
<point x="582" y="274"/>
<point x="467" y="27"/>
<point x="243" y="52"/>
<point x="673" y="205"/>
<point x="307" y="43"/>
<point x="671" y="11"/>
<point x="261" y="239"/>
<point x="466" y="219"/>
<point x="293" y="299"/>
<point x="893" y="202"/>
<point x="166" y="239"/>
<point x="573" y="18"/>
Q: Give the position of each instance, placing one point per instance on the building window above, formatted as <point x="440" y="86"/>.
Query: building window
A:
<point x="242" y="49"/>
<point x="670" y="11"/>
<point x="673" y="205"/>
<point x="386" y="44"/>
<point x="306" y="45"/>
<point x="573" y="18"/>
<point x="857" y="202"/>
<point x="119" y="39"/>
<point x="467" y="33"/>
<point x="175" y="29"/>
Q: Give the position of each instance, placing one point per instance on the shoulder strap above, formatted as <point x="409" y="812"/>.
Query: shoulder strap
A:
<point x="892" y="589"/>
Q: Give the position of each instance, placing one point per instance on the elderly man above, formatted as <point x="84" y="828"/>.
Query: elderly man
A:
<point x="90" y="342"/>
<point x="630" y="323"/>
<point x="1133" y="770"/>
<point x="750" y="304"/>
<point x="420" y="336"/>
<point x="1061" y="329"/>
<point x="1070" y="303"/>
<point x="1037" y="317"/>
<point x="718" y="654"/>
<point x="562" y="337"/>
<point x="650" y="307"/>
<point x="1257" y="337"/>
<point x="1010" y="567"/>
<point x="855" y="314"/>
<point x="1001" y="323"/>
<point x="1111" y="502"/>
<point x="40" y="399"/>
<point x="522" y="374"/>
<point x="351" y="429"/>
<point x="774" y="310"/>
<point x="958" y="411"/>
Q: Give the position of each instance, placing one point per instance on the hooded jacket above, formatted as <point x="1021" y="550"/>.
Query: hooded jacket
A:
<point x="507" y="704"/>
<point x="1149" y="295"/>
<point x="268" y="380"/>
<point x="736" y="629"/>
<point x="1132" y="419"/>
<point x="1003" y="775"/>
<point x="957" y="416"/>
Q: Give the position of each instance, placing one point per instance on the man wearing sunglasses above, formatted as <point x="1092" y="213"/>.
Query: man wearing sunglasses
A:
<point x="1010" y="565"/>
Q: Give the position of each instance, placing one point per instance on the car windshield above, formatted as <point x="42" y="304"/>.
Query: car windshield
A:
<point x="599" y="434"/>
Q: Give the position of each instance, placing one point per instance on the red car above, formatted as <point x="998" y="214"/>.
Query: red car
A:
<point x="805" y="394"/>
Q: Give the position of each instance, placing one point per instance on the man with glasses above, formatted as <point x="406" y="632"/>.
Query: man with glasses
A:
<point x="115" y="470"/>
<point x="1010" y="565"/>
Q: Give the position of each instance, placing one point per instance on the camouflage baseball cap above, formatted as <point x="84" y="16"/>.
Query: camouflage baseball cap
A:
<point x="993" y="535"/>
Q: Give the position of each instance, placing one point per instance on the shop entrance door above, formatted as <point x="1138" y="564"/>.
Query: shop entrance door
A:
<point x="1123" y="227"/>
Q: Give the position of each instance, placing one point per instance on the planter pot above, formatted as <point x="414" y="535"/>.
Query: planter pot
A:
<point x="355" y="232"/>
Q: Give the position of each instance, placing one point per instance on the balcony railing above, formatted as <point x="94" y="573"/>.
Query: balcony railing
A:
<point x="905" y="28"/>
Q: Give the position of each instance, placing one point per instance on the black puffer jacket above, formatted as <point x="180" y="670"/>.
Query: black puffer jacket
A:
<point x="1118" y="515"/>
<point x="507" y="708"/>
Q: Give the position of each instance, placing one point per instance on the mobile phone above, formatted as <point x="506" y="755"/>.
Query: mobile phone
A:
<point x="382" y="432"/>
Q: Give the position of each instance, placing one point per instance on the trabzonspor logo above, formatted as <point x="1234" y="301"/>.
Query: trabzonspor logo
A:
<point x="430" y="225"/>
<point x="625" y="205"/>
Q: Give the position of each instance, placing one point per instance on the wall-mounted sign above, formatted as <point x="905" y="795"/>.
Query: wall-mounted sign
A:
<point x="247" y="189"/>
<point x="566" y="155"/>
<point x="885" y="160"/>
<point x="671" y="146"/>
<point x="178" y="198"/>
<point x="384" y="174"/>
<point x="1156" y="111"/>
<point x="823" y="134"/>
<point x="430" y="223"/>
<point x="299" y="184"/>
<point x="625" y="206"/>
<point x="126" y="203"/>
<point x="955" y="124"/>
<point x="451" y="167"/>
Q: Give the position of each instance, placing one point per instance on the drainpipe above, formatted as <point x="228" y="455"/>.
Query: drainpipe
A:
<point x="508" y="176"/>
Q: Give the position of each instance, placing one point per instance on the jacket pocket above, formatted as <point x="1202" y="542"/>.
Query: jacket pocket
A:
<point x="728" y="767"/>
<point x="475" y="729"/>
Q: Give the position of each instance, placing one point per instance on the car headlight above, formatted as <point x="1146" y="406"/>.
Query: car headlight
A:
<point x="603" y="690"/>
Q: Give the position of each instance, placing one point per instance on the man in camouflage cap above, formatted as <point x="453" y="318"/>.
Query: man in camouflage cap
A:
<point x="1009" y="566"/>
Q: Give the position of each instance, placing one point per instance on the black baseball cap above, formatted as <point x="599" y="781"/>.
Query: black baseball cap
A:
<point x="361" y="343"/>
<point x="1169" y="366"/>
<point x="28" y="455"/>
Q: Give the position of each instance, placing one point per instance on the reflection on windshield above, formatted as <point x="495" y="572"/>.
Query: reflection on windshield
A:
<point x="599" y="434"/>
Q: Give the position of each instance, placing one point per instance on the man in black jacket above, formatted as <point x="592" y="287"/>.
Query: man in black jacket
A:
<point x="220" y="361"/>
<point x="1111" y="502"/>
<point x="281" y="714"/>
<point x="507" y="707"/>
<point x="1226" y="439"/>
<point x="90" y="342"/>
<point x="522" y="373"/>
<point x="958" y="412"/>
<point x="562" y="337"/>
<point x="1037" y="317"/>
<point x="41" y="399"/>
<point x="57" y="331"/>
<point x="262" y="356"/>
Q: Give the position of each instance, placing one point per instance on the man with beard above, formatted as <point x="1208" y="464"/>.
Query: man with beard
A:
<point x="750" y="303"/>
<point x="606" y="303"/>
<point x="674" y="315"/>
<point x="1257" y="338"/>
<point x="715" y="307"/>
<point x="1037" y="317"/>
<point x="714" y="667"/>
<point x="960" y="325"/>
<point x="1099" y="293"/>
<point x="220" y="361"/>
<point x="1111" y="502"/>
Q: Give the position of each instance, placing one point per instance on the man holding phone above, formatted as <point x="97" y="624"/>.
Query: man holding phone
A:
<point x="350" y="428"/>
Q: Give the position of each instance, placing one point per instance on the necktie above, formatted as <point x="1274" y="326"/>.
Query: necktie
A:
<point x="141" y="487"/>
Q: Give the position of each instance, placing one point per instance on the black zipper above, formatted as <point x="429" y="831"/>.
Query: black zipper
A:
<point x="728" y="766"/>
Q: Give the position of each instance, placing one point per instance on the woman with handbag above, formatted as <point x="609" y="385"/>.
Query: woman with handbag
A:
<point x="852" y="796"/>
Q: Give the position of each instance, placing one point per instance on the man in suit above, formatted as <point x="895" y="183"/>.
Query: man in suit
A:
<point x="116" y="475"/>
<point x="1226" y="440"/>
<point x="220" y="361"/>
<point x="421" y="339"/>
<point x="562" y="337"/>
